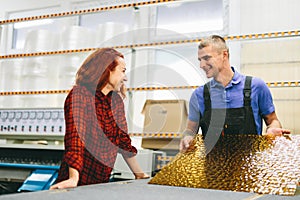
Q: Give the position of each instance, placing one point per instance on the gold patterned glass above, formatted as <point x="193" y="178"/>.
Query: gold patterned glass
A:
<point x="246" y="163"/>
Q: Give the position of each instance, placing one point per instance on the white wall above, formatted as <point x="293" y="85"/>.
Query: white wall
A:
<point x="260" y="16"/>
<point x="273" y="60"/>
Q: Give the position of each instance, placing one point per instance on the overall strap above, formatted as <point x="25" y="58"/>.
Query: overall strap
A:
<point x="247" y="102"/>
<point x="247" y="92"/>
<point x="207" y="104"/>
<point x="206" y="94"/>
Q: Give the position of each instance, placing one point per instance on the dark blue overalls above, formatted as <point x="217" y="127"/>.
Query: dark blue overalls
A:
<point x="228" y="120"/>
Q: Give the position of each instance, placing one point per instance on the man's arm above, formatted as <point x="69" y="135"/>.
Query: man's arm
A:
<point x="188" y="135"/>
<point x="274" y="127"/>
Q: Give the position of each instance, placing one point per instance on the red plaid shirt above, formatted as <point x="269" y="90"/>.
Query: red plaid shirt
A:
<point x="96" y="130"/>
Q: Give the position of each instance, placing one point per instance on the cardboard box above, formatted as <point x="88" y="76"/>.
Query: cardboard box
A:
<point x="163" y="116"/>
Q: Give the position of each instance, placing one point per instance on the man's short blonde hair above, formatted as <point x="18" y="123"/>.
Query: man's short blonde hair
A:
<point x="216" y="41"/>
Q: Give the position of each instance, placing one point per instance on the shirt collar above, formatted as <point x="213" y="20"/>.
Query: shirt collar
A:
<point x="237" y="77"/>
<point x="100" y="95"/>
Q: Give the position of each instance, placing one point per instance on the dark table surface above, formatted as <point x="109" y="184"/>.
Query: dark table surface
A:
<point x="141" y="190"/>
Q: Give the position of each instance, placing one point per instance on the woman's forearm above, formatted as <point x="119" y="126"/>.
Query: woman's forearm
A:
<point x="135" y="167"/>
<point x="74" y="175"/>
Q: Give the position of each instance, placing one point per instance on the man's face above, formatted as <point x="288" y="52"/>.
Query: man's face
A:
<point x="211" y="61"/>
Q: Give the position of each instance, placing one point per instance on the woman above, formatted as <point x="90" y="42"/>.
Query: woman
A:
<point x="96" y="128"/>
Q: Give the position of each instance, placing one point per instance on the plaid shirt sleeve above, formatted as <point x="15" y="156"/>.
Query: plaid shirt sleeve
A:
<point x="75" y="115"/>
<point x="125" y="147"/>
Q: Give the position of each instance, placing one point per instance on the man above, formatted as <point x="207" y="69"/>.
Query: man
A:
<point x="228" y="104"/>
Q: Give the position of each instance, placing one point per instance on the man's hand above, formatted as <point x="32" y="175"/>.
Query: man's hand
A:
<point x="185" y="143"/>
<point x="274" y="132"/>
<point x="274" y="127"/>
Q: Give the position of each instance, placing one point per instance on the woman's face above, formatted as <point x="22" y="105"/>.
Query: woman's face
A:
<point x="117" y="76"/>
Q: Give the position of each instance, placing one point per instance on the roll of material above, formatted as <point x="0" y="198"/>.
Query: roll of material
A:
<point x="76" y="37"/>
<point x="46" y="67"/>
<point x="39" y="74"/>
<point x="42" y="70"/>
<point x="69" y="64"/>
<point x="41" y="40"/>
<point x="35" y="82"/>
<point x="112" y="34"/>
<point x="68" y="68"/>
<point x="72" y="37"/>
<point x="10" y="75"/>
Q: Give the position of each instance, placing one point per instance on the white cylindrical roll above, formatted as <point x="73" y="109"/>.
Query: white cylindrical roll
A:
<point x="35" y="82"/>
<point x="68" y="68"/>
<point x="41" y="40"/>
<point x="76" y="37"/>
<point x="10" y="81"/>
<point x="111" y="34"/>
<point x="11" y="74"/>
<point x="45" y="66"/>
<point x="39" y="74"/>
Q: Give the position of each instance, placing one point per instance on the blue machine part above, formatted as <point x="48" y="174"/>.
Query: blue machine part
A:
<point x="29" y="166"/>
<point x="39" y="179"/>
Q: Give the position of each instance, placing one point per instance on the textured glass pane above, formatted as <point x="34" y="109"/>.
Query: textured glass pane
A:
<point x="237" y="163"/>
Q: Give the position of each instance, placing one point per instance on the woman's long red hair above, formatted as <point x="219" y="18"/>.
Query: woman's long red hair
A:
<point x="95" y="70"/>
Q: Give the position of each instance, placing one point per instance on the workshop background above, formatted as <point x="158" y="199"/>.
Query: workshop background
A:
<point x="43" y="43"/>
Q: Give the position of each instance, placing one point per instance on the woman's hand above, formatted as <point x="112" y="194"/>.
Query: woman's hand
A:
<point x="69" y="183"/>
<point x="141" y="175"/>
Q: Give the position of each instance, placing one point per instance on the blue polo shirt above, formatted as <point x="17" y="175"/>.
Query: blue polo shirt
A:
<point x="232" y="97"/>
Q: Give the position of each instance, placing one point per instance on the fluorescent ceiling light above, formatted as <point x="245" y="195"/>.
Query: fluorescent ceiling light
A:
<point x="193" y="27"/>
<point x="27" y="24"/>
<point x="175" y="4"/>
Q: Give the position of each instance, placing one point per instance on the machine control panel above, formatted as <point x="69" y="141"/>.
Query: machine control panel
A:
<point x="37" y="121"/>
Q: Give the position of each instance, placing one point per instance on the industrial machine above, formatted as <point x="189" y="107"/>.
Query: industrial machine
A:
<point x="31" y="149"/>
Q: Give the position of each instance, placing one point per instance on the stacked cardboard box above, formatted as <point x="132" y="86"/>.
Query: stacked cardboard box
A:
<point x="164" y="116"/>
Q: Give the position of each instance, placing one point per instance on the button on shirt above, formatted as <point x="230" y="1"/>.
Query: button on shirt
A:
<point x="232" y="97"/>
